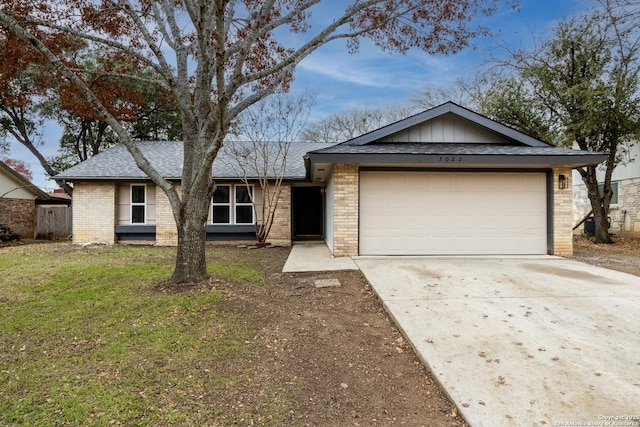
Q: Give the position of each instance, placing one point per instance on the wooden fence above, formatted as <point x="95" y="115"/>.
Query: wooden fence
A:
<point x="53" y="222"/>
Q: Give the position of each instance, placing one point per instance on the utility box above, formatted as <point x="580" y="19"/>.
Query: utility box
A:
<point x="590" y="226"/>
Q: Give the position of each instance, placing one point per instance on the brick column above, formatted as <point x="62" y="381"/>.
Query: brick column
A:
<point x="91" y="225"/>
<point x="345" y="209"/>
<point x="280" y="233"/>
<point x="562" y="213"/>
<point x="166" y="229"/>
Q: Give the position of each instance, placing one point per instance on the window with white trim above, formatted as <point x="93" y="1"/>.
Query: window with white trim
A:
<point x="138" y="204"/>
<point x="231" y="204"/>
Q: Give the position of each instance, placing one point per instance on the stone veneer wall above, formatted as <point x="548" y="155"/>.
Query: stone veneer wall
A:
<point x="91" y="225"/>
<point x="345" y="210"/>
<point x="625" y="224"/>
<point x="19" y="215"/>
<point x="562" y="213"/>
<point x="280" y="233"/>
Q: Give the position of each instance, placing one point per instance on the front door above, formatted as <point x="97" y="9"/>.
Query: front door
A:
<point x="307" y="212"/>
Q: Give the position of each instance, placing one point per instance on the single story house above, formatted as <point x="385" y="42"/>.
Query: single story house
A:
<point x="624" y="211"/>
<point x="447" y="181"/>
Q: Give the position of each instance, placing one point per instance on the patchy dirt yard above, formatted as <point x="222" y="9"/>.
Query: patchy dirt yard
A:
<point x="331" y="355"/>
<point x="623" y="255"/>
<point x="336" y="357"/>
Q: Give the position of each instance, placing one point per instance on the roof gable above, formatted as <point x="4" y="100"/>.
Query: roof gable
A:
<point x="15" y="185"/>
<point x="447" y="123"/>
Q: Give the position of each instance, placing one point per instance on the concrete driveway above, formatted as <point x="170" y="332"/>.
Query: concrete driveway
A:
<point x="540" y="341"/>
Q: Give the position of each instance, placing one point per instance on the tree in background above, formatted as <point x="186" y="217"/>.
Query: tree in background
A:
<point x="432" y="96"/>
<point x="25" y="81"/>
<point x="30" y="94"/>
<point x="217" y="58"/>
<point x="144" y="108"/>
<point x="21" y="167"/>
<point x="259" y="146"/>
<point x="354" y="121"/>
<point x="158" y="119"/>
<point x="360" y="119"/>
<point x="579" y="87"/>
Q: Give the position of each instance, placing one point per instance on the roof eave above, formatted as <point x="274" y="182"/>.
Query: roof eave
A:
<point x="139" y="178"/>
<point x="461" y="160"/>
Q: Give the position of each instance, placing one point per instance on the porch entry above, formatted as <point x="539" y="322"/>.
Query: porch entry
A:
<point x="307" y="213"/>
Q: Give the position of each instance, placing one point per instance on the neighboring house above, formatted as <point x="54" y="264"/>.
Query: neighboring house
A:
<point x="624" y="211"/>
<point x="447" y="181"/>
<point x="18" y="201"/>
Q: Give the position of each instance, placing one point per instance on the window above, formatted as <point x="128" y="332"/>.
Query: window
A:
<point x="231" y="204"/>
<point x="244" y="207"/>
<point x="614" y="188"/>
<point x="221" y="205"/>
<point x="138" y="204"/>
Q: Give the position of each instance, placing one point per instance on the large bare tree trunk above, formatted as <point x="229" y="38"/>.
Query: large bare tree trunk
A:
<point x="191" y="265"/>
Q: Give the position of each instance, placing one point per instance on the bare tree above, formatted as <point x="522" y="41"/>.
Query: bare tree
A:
<point x="219" y="57"/>
<point x="432" y="96"/>
<point x="259" y="147"/>
<point x="354" y="121"/>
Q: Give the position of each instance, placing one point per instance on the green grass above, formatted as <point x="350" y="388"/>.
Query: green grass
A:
<point x="236" y="272"/>
<point x="86" y="338"/>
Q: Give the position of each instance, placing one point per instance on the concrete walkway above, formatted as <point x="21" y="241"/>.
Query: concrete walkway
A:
<point x="315" y="257"/>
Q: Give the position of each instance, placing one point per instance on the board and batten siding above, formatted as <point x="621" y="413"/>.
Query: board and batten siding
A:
<point x="447" y="128"/>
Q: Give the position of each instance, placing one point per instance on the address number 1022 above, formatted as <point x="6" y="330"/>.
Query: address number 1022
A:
<point x="450" y="159"/>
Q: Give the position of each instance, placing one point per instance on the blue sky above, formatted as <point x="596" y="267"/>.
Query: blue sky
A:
<point x="379" y="79"/>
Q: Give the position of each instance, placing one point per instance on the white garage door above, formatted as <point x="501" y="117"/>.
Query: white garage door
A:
<point x="452" y="213"/>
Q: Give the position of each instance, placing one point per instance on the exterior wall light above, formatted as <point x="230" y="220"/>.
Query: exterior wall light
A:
<point x="562" y="182"/>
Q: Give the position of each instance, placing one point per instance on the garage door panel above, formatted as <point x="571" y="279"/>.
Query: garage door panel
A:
<point x="394" y="200"/>
<point x="438" y="213"/>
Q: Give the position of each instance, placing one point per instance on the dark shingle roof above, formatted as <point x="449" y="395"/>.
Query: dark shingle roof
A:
<point x="447" y="149"/>
<point x="167" y="158"/>
<point x="466" y="154"/>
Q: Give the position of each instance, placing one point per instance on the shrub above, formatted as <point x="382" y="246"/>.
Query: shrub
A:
<point x="7" y="235"/>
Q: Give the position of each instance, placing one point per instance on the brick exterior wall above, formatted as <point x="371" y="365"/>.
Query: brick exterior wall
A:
<point x="345" y="210"/>
<point x="91" y="225"/>
<point x="166" y="229"/>
<point x="19" y="215"/>
<point x="280" y="233"/>
<point x="562" y="213"/>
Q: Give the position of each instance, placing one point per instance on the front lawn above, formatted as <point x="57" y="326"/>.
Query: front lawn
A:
<point x="91" y="336"/>
<point x="86" y="337"/>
